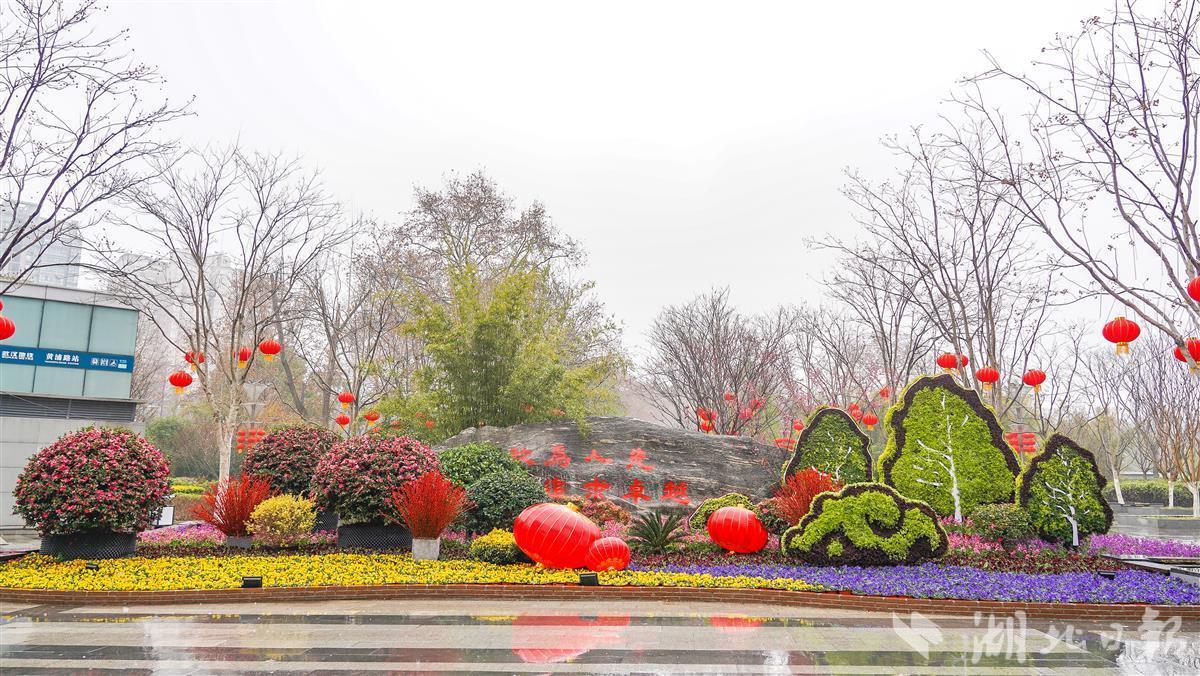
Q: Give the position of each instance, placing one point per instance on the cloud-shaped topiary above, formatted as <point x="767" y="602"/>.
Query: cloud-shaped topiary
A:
<point x="833" y="444"/>
<point x="287" y="457"/>
<point x="1061" y="490"/>
<point x="946" y="448"/>
<point x="867" y="524"/>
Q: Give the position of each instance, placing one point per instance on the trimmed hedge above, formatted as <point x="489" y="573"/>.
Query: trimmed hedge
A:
<point x="1061" y="491"/>
<point x="498" y="546"/>
<point x="833" y="444"/>
<point x="466" y="464"/>
<point x="1152" y="491"/>
<point x="287" y="457"/>
<point x="867" y="524"/>
<point x="498" y="498"/>
<point x="938" y="424"/>
<point x="699" y="518"/>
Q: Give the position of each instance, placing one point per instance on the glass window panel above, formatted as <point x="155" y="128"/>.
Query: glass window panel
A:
<point x="107" y="384"/>
<point x="26" y="313"/>
<point x="16" y="377"/>
<point x="65" y="326"/>
<point x="55" y="380"/>
<point x="114" y="330"/>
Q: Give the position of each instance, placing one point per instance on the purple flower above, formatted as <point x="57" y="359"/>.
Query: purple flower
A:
<point x="1128" y="545"/>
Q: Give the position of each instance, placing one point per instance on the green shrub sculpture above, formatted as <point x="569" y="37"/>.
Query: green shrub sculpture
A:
<point x="1062" y="492"/>
<point x="945" y="448"/>
<point x="1005" y="523"/>
<point x="867" y="524"/>
<point x="699" y="518"/>
<point x="498" y="546"/>
<point x="498" y="498"/>
<point x="833" y="444"/>
<point x="466" y="464"/>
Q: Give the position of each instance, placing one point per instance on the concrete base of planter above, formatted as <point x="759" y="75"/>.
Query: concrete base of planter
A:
<point x="89" y="545"/>
<point x="239" y="541"/>
<point x="380" y="536"/>
<point x="426" y="549"/>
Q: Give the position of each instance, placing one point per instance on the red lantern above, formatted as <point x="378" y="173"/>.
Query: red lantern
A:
<point x="193" y="358"/>
<point x="180" y="379"/>
<point x="947" y="361"/>
<point x="856" y="414"/>
<point x="1034" y="378"/>
<point x="746" y="414"/>
<point x="1193" y="288"/>
<point x="737" y="529"/>
<point x="729" y="396"/>
<point x="342" y="419"/>
<point x="885" y="392"/>
<point x="371" y="416"/>
<point x="798" y="425"/>
<point x="346" y="397"/>
<point x="607" y="554"/>
<point x="757" y="403"/>
<point x="555" y="536"/>
<point x="1193" y="348"/>
<point x="1122" y="332"/>
<point x="963" y="360"/>
<point x="706" y="425"/>
<point x="269" y="347"/>
<point x="988" y="376"/>
<point x="7" y="328"/>
<point x="244" y="355"/>
<point x="870" y="420"/>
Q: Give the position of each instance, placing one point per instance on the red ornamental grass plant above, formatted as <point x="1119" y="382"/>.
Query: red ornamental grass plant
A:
<point x="428" y="504"/>
<point x="795" y="496"/>
<point x="229" y="503"/>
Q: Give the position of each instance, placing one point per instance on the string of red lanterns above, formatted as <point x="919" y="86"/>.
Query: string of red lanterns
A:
<point x="1193" y="349"/>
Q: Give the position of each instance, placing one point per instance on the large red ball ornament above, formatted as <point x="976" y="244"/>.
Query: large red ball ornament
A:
<point x="608" y="554"/>
<point x="555" y="536"/>
<point x="737" y="529"/>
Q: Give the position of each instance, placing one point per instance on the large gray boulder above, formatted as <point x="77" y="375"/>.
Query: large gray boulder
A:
<point x="676" y="466"/>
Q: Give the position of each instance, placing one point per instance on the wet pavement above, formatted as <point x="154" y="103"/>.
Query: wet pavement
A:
<point x="341" y="637"/>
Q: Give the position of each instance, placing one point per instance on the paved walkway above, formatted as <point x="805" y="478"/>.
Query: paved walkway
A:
<point x="341" y="637"/>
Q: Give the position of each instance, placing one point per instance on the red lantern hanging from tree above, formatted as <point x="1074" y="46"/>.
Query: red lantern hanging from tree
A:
<point x="346" y="397"/>
<point x="555" y="536"/>
<point x="1122" y="332"/>
<point x="737" y="529"/>
<point x="729" y="396"/>
<point x="607" y="554"/>
<point x="885" y="392"/>
<point x="244" y="355"/>
<point x="371" y="416"/>
<point x="193" y="358"/>
<point x="947" y="361"/>
<point x="988" y="376"/>
<point x="1193" y="349"/>
<point x="798" y="425"/>
<point x="706" y="426"/>
<point x="870" y="420"/>
<point x="269" y="347"/>
<point x="1034" y="378"/>
<point x="342" y="419"/>
<point x="1193" y="288"/>
<point x="180" y="380"/>
<point x="963" y="360"/>
<point x="7" y="328"/>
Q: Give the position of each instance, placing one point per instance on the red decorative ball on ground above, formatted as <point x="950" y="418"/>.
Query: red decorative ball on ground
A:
<point x="608" y="554"/>
<point x="737" y="529"/>
<point x="555" y="536"/>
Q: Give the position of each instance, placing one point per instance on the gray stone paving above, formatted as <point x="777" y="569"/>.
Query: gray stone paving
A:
<point x="342" y="637"/>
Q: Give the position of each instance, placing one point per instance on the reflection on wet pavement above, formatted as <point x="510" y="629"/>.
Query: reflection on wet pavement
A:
<point x="541" y="637"/>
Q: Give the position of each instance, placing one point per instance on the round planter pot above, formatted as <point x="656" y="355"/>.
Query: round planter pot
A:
<point x="426" y="549"/>
<point x="96" y="544"/>
<point x="239" y="541"/>
<point x="326" y="521"/>
<point x="373" y="536"/>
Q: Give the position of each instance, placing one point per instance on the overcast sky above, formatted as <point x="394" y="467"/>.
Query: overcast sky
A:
<point x="686" y="145"/>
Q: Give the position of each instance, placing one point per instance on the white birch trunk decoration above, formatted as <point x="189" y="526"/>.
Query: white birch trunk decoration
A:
<point x="944" y="461"/>
<point x="1116" y="473"/>
<point x="1062" y="498"/>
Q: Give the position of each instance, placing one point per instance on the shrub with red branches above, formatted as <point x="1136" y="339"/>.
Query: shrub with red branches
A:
<point x="428" y="504"/>
<point x="229" y="503"/>
<point x="795" y="496"/>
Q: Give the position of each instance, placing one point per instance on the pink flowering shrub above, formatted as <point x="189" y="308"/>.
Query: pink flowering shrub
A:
<point x="187" y="534"/>
<point x="356" y="477"/>
<point x="98" y="478"/>
<point x="286" y="457"/>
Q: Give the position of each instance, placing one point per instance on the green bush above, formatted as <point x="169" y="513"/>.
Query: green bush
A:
<point x="498" y="546"/>
<point x="466" y="464"/>
<point x="770" y="518"/>
<point x="283" y="518"/>
<point x="1061" y="491"/>
<point x="1150" y="491"/>
<point x="656" y="532"/>
<point x="833" y="444"/>
<point x="498" y="498"/>
<point x="864" y="525"/>
<point x="1005" y="523"/>
<point x="699" y="518"/>
<point x="941" y="435"/>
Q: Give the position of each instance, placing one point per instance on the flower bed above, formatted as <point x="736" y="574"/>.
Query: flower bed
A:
<point x="175" y="573"/>
<point x="1117" y="544"/>
<point x="938" y="581"/>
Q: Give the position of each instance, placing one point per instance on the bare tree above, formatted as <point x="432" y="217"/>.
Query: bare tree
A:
<point x="1105" y="162"/>
<point x="229" y="232"/>
<point x="705" y="349"/>
<point x="1167" y="393"/>
<point x="1108" y="430"/>
<point x="76" y="126"/>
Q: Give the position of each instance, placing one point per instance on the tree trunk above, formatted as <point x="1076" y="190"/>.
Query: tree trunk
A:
<point x="1194" y="489"/>
<point x="1170" y="492"/>
<point x="224" y="447"/>
<point x="1116" y="479"/>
